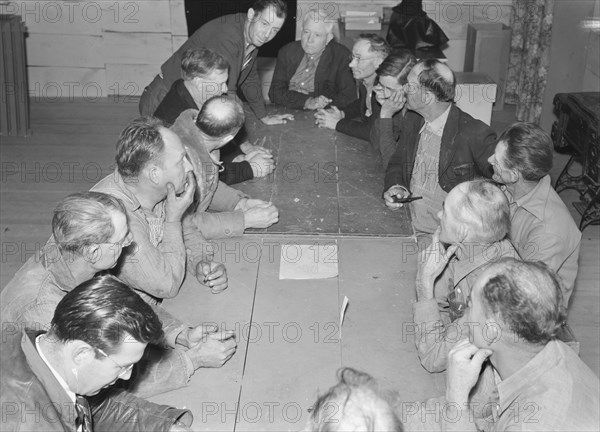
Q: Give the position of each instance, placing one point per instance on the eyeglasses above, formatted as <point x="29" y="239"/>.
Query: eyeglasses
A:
<point x="123" y="243"/>
<point x="124" y="369"/>
<point x="358" y="59"/>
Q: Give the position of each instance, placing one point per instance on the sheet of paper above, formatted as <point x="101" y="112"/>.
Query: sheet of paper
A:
<point x="308" y="261"/>
<point x="343" y="313"/>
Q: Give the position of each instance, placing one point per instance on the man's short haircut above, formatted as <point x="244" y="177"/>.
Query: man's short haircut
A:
<point x="484" y="207"/>
<point x="83" y="219"/>
<point x="220" y="116"/>
<point x="201" y="62"/>
<point x="397" y="65"/>
<point x="528" y="149"/>
<point x="433" y="78"/>
<point x="319" y="15"/>
<point x="280" y="7"/>
<point x="526" y="297"/>
<point x="139" y="143"/>
<point x="377" y="44"/>
<point x="102" y="312"/>
<point x="358" y="389"/>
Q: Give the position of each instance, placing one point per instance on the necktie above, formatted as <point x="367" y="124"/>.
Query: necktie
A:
<point x="84" y="414"/>
<point x="247" y="56"/>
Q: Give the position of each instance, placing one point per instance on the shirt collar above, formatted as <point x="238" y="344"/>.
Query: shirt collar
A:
<point x="131" y="202"/>
<point x="475" y="255"/>
<point x="54" y="262"/>
<point x="535" y="200"/>
<point x="59" y="378"/>
<point x="438" y="124"/>
<point x="520" y="383"/>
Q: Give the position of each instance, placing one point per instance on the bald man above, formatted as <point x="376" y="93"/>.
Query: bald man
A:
<point x="203" y="133"/>
<point x="437" y="145"/>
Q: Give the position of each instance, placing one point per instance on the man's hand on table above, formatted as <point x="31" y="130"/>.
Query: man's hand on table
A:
<point x="176" y="205"/>
<point x="313" y="103"/>
<point x="396" y="190"/>
<point x="212" y="275"/>
<point x="248" y="148"/>
<point x="258" y="213"/>
<point x="210" y="347"/>
<point x="434" y="260"/>
<point x="262" y="163"/>
<point x="328" y="118"/>
<point x="277" y="119"/>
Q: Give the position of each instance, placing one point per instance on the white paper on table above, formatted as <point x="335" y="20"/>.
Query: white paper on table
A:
<point x="343" y="313"/>
<point x="308" y="261"/>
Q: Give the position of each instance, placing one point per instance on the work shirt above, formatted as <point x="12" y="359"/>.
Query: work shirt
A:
<point x="542" y="229"/>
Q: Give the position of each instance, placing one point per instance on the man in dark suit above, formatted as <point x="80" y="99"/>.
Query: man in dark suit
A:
<point x="437" y="145"/>
<point x="237" y="38"/>
<point x="356" y="119"/>
<point x="313" y="72"/>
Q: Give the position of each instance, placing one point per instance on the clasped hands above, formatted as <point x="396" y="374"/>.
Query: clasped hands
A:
<point x="257" y="213"/>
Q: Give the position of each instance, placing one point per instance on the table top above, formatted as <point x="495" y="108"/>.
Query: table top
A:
<point x="325" y="182"/>
<point x="289" y="345"/>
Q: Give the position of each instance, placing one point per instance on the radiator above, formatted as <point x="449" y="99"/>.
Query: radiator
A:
<point x="14" y="93"/>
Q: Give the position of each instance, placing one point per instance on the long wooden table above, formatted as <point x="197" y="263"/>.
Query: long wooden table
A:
<point x="327" y="187"/>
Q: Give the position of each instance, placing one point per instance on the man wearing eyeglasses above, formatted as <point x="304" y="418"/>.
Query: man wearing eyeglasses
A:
<point x="99" y="331"/>
<point x="473" y="232"/>
<point x="356" y="119"/>
<point x="90" y="231"/>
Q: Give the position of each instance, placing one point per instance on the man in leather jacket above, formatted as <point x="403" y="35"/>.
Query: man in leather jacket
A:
<point x="203" y="134"/>
<point x="100" y="330"/>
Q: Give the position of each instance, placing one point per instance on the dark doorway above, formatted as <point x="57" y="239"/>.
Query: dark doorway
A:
<point x="198" y="12"/>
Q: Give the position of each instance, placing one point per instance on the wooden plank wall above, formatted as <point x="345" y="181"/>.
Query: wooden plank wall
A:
<point x="452" y="16"/>
<point x="97" y="48"/>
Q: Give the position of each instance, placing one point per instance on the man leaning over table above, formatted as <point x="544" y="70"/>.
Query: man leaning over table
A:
<point x="90" y="231"/>
<point x="204" y="75"/>
<point x="220" y="211"/>
<point x="237" y="38"/>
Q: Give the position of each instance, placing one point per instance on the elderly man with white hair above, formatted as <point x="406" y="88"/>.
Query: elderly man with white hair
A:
<point x="313" y="72"/>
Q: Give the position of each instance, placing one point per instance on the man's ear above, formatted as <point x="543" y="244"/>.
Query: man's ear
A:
<point x="462" y="232"/>
<point x="81" y="352"/>
<point x="428" y="96"/>
<point x="515" y="175"/>
<point x="152" y="172"/>
<point x="491" y="331"/>
<point x="251" y="14"/>
<point x="92" y="253"/>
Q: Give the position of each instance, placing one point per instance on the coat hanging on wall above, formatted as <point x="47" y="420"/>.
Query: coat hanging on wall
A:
<point x="411" y="28"/>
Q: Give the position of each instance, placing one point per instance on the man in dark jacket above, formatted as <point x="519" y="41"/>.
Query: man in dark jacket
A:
<point x="205" y="74"/>
<point x="236" y="37"/>
<point x="437" y="145"/>
<point x="313" y="72"/>
<point x="356" y="119"/>
<point x="100" y="330"/>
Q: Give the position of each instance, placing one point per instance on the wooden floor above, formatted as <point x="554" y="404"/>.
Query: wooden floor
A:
<point x="72" y="147"/>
